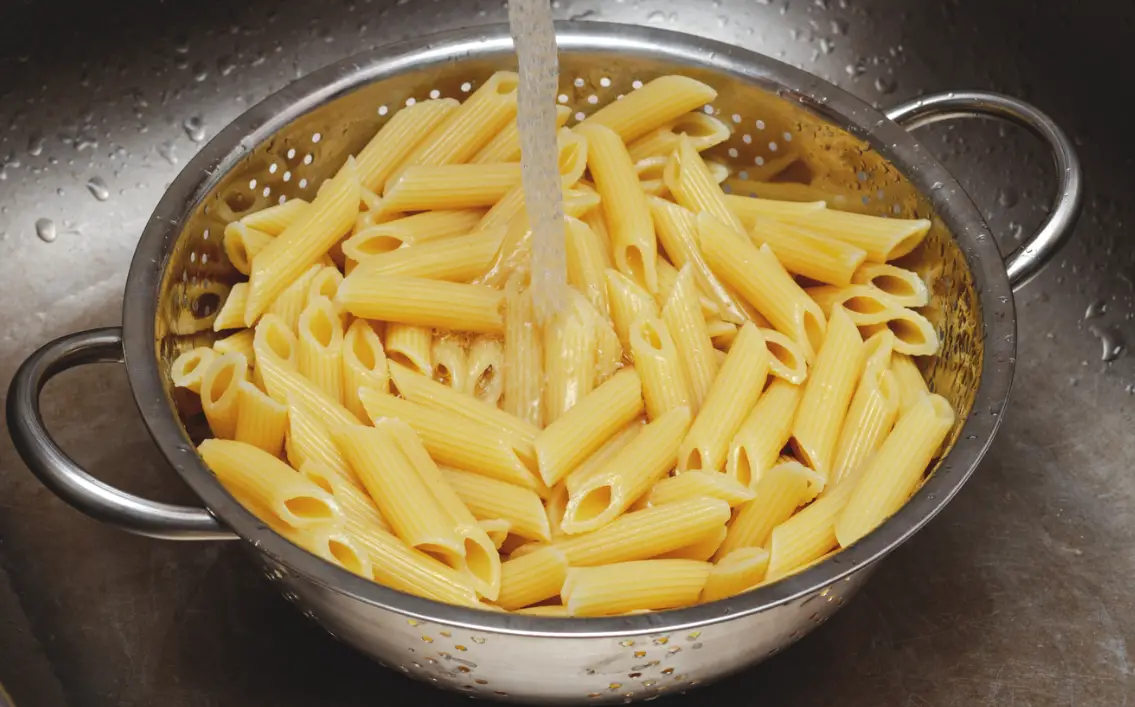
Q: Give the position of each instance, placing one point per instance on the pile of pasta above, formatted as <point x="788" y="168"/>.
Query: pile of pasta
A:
<point x="728" y="396"/>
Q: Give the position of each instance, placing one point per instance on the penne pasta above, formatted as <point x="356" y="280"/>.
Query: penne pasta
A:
<point x="497" y="530"/>
<point x="695" y="188"/>
<point x="319" y="354"/>
<point x="649" y="585"/>
<point x="532" y="578"/>
<point x="261" y="421"/>
<point x="624" y="205"/>
<point x="903" y="286"/>
<point x="269" y="483"/>
<point x="410" y="346"/>
<point x="656" y="359"/>
<point x="804" y="253"/>
<point x="364" y="365"/>
<point x="658" y="102"/>
<point x="786" y="357"/>
<point x="547" y="610"/>
<point x="231" y="313"/>
<point x="873" y="409"/>
<point x="627" y="302"/>
<point x="274" y="220"/>
<point x="691" y="338"/>
<point x="909" y="381"/>
<point x="285" y="384"/>
<point x="768" y="427"/>
<point x="732" y="396"/>
<point x="422" y="302"/>
<point x="882" y="238"/>
<point x="574" y="436"/>
<point x="240" y="342"/>
<point x="401" y="567"/>
<point x="698" y="484"/>
<point x="570" y="357"/>
<point x="450" y="186"/>
<point x="488" y="499"/>
<point x="291" y="302"/>
<point x="628" y="475"/>
<point x="914" y="334"/>
<point x="595" y="463"/>
<point x="484" y="379"/>
<point x="748" y="208"/>
<point x="360" y="514"/>
<point x="894" y="471"/>
<point x="243" y="242"/>
<point x="188" y="369"/>
<point x="523" y="357"/>
<point x="587" y="264"/>
<point x="451" y="364"/>
<point x="703" y="131"/>
<point x="736" y="573"/>
<point x="701" y="549"/>
<point x="505" y="145"/>
<point x="781" y="490"/>
<point x="220" y="391"/>
<point x="415" y="230"/>
<point x="398" y="138"/>
<point x="309" y="441"/>
<point x="809" y="535"/>
<point x="555" y="507"/>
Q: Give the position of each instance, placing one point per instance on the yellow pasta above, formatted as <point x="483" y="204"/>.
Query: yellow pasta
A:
<point x="703" y="131"/>
<point x="243" y="242"/>
<point x="364" y="365"/>
<point x="732" y="396"/>
<point x="320" y="350"/>
<point x="274" y="220"/>
<point x="757" y="444"/>
<point x="359" y="510"/>
<point x="809" y="535"/>
<point x="627" y="302"/>
<point x="570" y="357"/>
<point x="694" y="187"/>
<point x="701" y="549"/>
<point x="285" y="384"/>
<point x="270" y="483"/>
<point x="864" y="303"/>
<point x="532" y="578"/>
<point x="786" y="357"/>
<point x="656" y="359"/>
<point x="401" y="567"/>
<point x="658" y="102"/>
<point x="290" y="303"/>
<point x="651" y="585"/>
<point x="411" y="346"/>
<point x="873" y="409"/>
<point x="450" y="362"/>
<point x="496" y="529"/>
<point x="422" y="302"/>
<point x="309" y="441"/>
<point x="555" y="507"/>
<point x="188" y="369"/>
<point x="748" y="208"/>
<point x="903" y="286"/>
<point x="261" y="421"/>
<point x="691" y="338"/>
<point x="450" y="186"/>
<point x="398" y="138"/>
<point x="505" y="145"/>
<point x="595" y="463"/>
<point x="827" y="394"/>
<point x="231" y="313"/>
<point x="488" y="498"/>
<point x="624" y="205"/>
<point x="240" y="342"/>
<point x="546" y="610"/>
<point x="332" y="544"/>
<point x="628" y="475"/>
<point x="882" y="238"/>
<point x="220" y="391"/>
<point x="914" y="334"/>
<point x="321" y="225"/>
<point x="570" y="439"/>
<point x="523" y="357"/>
<point x="781" y="490"/>
<point x="802" y="252"/>
<point x="760" y="278"/>
<point x="893" y="473"/>
<point x="696" y="484"/>
<point x="736" y="573"/>
<point x="484" y="379"/>
<point x="414" y="230"/>
<point x="587" y="263"/>
<point x="911" y="385"/>
<point x="459" y="259"/>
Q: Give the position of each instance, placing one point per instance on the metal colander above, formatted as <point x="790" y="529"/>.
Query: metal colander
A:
<point x="787" y="125"/>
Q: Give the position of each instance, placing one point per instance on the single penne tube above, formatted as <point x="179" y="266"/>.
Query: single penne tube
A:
<point x="608" y="348"/>
<point x="309" y="441"/>
<point x="691" y="338"/>
<point x="695" y="188"/>
<point x="696" y="484"/>
<point x="627" y="301"/>
<point x="398" y="138"/>
<point x="358" y="508"/>
<point x="668" y="277"/>
<point x="532" y="578"/>
<point x="507" y="208"/>
<point x="242" y="243"/>
<point x="597" y="222"/>
<point x="781" y="490"/>
<point x="325" y="284"/>
<point x="624" y="205"/>
<point x="701" y="549"/>
<point x="629" y="475"/>
<point x="757" y="444"/>
<point x="423" y="302"/>
<point x="321" y="225"/>
<point x="827" y="394"/>
<point x="479" y="557"/>
<point x="398" y="566"/>
<point x="290" y="303"/>
<point x="319" y="354"/>
<point x="450" y="362"/>
<point x="656" y="359"/>
<point x="472" y="125"/>
<point x="505" y="145"/>
<point x="455" y="441"/>
<point x="660" y="101"/>
<point x="331" y="543"/>
<point x="555" y="507"/>
<point x="759" y="277"/>
<point x="188" y="369"/>
<point x="411" y="346"/>
<point x="587" y="264"/>
<point x="786" y="357"/>
<point x="599" y="459"/>
<point x="805" y="253"/>
<point x="220" y="393"/>
<point x="274" y="220"/>
<point x="649" y="171"/>
<point x="640" y="535"/>
<point x="579" y="432"/>
<point x="523" y="374"/>
<point x="808" y="535"/>
<point x="734" y="393"/>
<point x="488" y="498"/>
<point x="570" y="357"/>
<point x="546" y="610"/>
<point x="284" y="382"/>
<point x="261" y="421"/>
<point x="703" y="131"/>
<point x="870" y="418"/>
<point x="736" y="573"/>
<point x="414" y="230"/>
<point x="231" y="313"/>
<point x="882" y="238"/>
<point x="580" y="203"/>
<point x="450" y="186"/>
<point x="364" y="365"/>
<point x="749" y="208"/>
<point x="864" y="303"/>
<point x="273" y="485"/>
<point x="240" y="342"/>
<point x="497" y="530"/>
<point x="648" y="585"/>
<point x="892" y="474"/>
<point x="911" y="385"/>
<point x="914" y="334"/>
<point x="484" y="379"/>
<point x="677" y="230"/>
<point x="396" y="486"/>
<point x="903" y="286"/>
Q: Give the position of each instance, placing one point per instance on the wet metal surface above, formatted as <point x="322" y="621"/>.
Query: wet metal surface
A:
<point x="1021" y="592"/>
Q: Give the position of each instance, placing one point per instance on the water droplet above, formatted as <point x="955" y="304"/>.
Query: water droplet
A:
<point x="656" y="16"/>
<point x="839" y="26"/>
<point x="45" y="229"/>
<point x="98" y="189"/>
<point x="35" y="145"/>
<point x="1112" y="345"/>
<point x="1007" y="197"/>
<point x="885" y="84"/>
<point x="1095" y="309"/>
<point x="1016" y="230"/>
<point x="827" y="46"/>
<point x="855" y="70"/>
<point x="200" y="73"/>
<point x="194" y="128"/>
<point x="168" y="152"/>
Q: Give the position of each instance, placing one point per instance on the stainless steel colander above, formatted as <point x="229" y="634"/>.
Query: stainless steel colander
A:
<point x="285" y="146"/>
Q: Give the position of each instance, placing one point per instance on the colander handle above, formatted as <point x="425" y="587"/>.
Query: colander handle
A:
<point x="67" y="479"/>
<point x="1028" y="260"/>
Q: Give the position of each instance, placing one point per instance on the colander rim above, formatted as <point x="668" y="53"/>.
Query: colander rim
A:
<point x="259" y="123"/>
